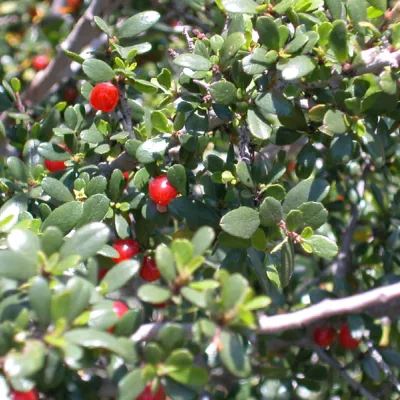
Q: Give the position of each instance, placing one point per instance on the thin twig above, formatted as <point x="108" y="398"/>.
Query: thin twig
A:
<point x="244" y="144"/>
<point x="324" y="356"/>
<point x="189" y="40"/>
<point x="125" y="109"/>
<point x="382" y="365"/>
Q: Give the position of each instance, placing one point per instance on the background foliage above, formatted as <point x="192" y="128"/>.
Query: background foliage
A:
<point x="277" y="123"/>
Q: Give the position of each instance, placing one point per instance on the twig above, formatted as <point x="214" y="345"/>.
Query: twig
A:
<point x="148" y="331"/>
<point x="382" y="365"/>
<point x="125" y="109"/>
<point x="330" y="308"/>
<point x="324" y="356"/>
<point x="189" y="40"/>
<point x="244" y="144"/>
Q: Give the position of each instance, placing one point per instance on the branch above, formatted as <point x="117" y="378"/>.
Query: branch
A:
<point x="382" y="365"/>
<point x="125" y="110"/>
<point x="324" y="356"/>
<point x="189" y="40"/>
<point x="244" y="144"/>
<point x="82" y="34"/>
<point x="330" y="308"/>
<point x="148" y="331"/>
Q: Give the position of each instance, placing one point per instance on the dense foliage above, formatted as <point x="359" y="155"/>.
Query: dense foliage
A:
<point x="177" y="177"/>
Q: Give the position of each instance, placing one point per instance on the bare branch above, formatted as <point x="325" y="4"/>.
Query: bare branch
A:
<point x="244" y="144"/>
<point x="147" y="331"/>
<point x="189" y="40"/>
<point x="325" y="357"/>
<point x="125" y="110"/>
<point x="330" y="308"/>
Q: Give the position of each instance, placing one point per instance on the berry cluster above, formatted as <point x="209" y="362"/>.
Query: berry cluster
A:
<point x="324" y="337"/>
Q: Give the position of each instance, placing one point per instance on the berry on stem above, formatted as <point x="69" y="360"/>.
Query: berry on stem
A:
<point x="126" y="248"/>
<point x="324" y="336"/>
<point x="149" y="271"/>
<point x="120" y="310"/>
<point x="147" y="394"/>
<point x="161" y="191"/>
<point x="40" y="62"/>
<point x="104" y="97"/>
<point x="346" y="340"/>
<point x="54" y="166"/>
<point x="31" y="395"/>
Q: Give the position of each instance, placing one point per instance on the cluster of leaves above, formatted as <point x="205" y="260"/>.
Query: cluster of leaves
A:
<point x="223" y="116"/>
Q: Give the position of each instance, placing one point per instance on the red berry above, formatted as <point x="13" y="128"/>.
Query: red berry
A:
<point x="126" y="248"/>
<point x="120" y="308"/>
<point x="74" y="3"/>
<point x="161" y="191"/>
<point x="346" y="340"/>
<point x="324" y="336"/>
<point x="54" y="166"/>
<point x="104" y="97"/>
<point x="70" y="94"/>
<point x="40" y="62"/>
<point x="160" y="305"/>
<point x="148" y="395"/>
<point x="31" y="395"/>
<point x="149" y="271"/>
<point x="102" y="273"/>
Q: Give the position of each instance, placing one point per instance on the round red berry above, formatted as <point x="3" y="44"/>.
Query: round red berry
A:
<point x="70" y="94"/>
<point x="54" y="166"/>
<point x="346" y="340"/>
<point x="147" y="394"/>
<point x="324" y="336"/>
<point x="126" y="248"/>
<point x="161" y="191"/>
<point x="160" y="305"/>
<point x="31" y="395"/>
<point x="40" y="62"/>
<point x="104" y="97"/>
<point x="120" y="308"/>
<point x="149" y="271"/>
<point x="74" y="3"/>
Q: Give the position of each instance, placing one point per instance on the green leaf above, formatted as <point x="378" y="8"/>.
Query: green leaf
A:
<point x="297" y="67"/>
<point x="193" y="61"/>
<point x="94" y="209"/>
<point x="190" y="375"/>
<point x="24" y="242"/>
<point x="282" y="262"/>
<point x="177" y="178"/>
<point x="103" y="25"/>
<point x="244" y="174"/>
<point x="160" y="122"/>
<point x="131" y="385"/>
<point x="137" y="24"/>
<point x="194" y="213"/>
<point x="17" y="169"/>
<point x="120" y="274"/>
<point x="257" y="303"/>
<point x="86" y="241"/>
<point x="96" y="185"/>
<point x="171" y="336"/>
<point x="234" y="291"/>
<point x="233" y="355"/>
<point x="322" y="246"/>
<point x="64" y="217"/>
<point x="336" y="9"/>
<point x="314" y="214"/>
<point x="335" y="121"/>
<point x="357" y="11"/>
<point x="274" y="103"/>
<point x="153" y="149"/>
<point x="26" y="363"/>
<point x="92" y="135"/>
<point x="16" y="265"/>
<point x="371" y="368"/>
<point x="53" y="152"/>
<point x="308" y="190"/>
<point x="165" y="263"/>
<point x="202" y="240"/>
<point x="338" y="40"/>
<point x="81" y="292"/>
<point x="240" y="6"/>
<point x="122" y="226"/>
<point x="294" y="220"/>
<point x="223" y="92"/>
<point x="271" y="212"/>
<point x="153" y="294"/>
<point x="268" y="31"/>
<point x="241" y="222"/>
<point x="56" y="190"/>
<point x="232" y="45"/>
<point x="97" y="70"/>
<point x="40" y="299"/>
<point x="94" y="339"/>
